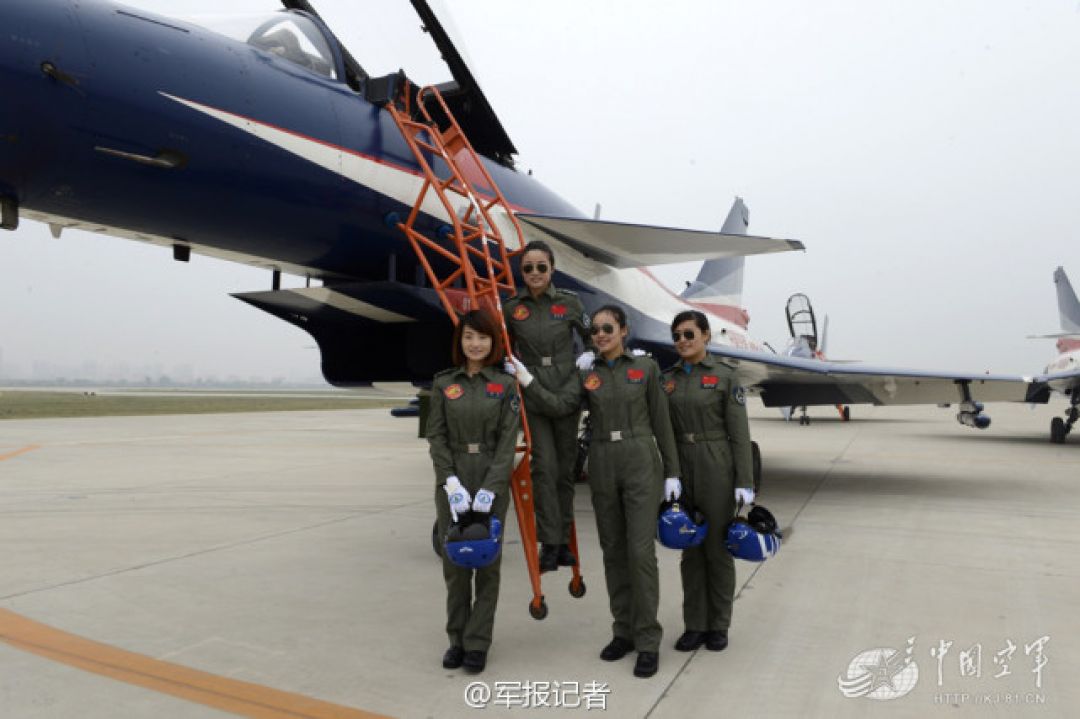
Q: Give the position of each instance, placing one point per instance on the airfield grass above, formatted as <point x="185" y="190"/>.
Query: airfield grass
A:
<point x="19" y="404"/>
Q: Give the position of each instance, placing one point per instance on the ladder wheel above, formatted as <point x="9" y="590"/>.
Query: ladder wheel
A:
<point x="577" y="588"/>
<point x="538" y="611"/>
<point x="435" y="543"/>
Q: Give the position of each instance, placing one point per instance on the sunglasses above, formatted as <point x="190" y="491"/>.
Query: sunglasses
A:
<point x="605" y="328"/>
<point x="688" y="334"/>
<point x="538" y="268"/>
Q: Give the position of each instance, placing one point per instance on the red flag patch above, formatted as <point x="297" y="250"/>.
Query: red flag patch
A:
<point x="558" y="312"/>
<point x="495" y="390"/>
<point x="709" y="381"/>
<point x="635" y="376"/>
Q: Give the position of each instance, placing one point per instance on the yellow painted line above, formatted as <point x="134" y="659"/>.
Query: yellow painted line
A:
<point x="231" y="695"/>
<point x="16" y="453"/>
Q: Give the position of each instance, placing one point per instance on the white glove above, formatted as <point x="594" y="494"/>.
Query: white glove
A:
<point x="457" y="495"/>
<point x="672" y="489"/>
<point x="585" y="359"/>
<point x="744" y="495"/>
<point x="638" y="352"/>
<point x="514" y="366"/>
<point x="483" y="501"/>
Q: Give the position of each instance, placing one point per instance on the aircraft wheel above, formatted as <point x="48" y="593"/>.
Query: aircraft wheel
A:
<point x="1057" y="430"/>
<point x="847" y="413"/>
<point x="577" y="588"/>
<point x="538" y="611"/>
<point x="755" y="453"/>
<point x="435" y="543"/>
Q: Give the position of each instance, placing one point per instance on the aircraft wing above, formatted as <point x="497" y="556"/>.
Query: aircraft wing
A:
<point x="621" y="244"/>
<point x="783" y="381"/>
<point x="1066" y="381"/>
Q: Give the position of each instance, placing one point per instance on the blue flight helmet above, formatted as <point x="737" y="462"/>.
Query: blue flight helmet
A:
<point x="680" y="527"/>
<point x="754" y="538"/>
<point x="474" y="545"/>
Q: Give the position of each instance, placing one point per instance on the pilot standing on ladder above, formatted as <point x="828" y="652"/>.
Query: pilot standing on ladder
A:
<point x="708" y="413"/>
<point x="630" y="422"/>
<point x="542" y="321"/>
<point x="472" y="429"/>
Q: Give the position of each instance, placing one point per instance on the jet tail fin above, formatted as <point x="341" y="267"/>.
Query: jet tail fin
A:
<point x="1068" y="306"/>
<point x="720" y="281"/>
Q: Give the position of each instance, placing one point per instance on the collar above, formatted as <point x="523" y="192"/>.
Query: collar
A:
<point x="625" y="355"/>
<point x="524" y="292"/>
<point x="489" y="373"/>
<point x="708" y="362"/>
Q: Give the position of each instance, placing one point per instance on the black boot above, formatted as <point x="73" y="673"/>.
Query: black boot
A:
<point x="549" y="557"/>
<point x="475" y="661"/>
<point x="716" y="641"/>
<point x="647" y="664"/>
<point x="565" y="557"/>
<point x="616" y="649"/>
<point x="690" y="640"/>
<point x="453" y="658"/>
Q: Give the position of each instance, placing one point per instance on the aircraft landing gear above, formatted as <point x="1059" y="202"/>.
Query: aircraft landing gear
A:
<point x="804" y="418"/>
<point x="1060" y="428"/>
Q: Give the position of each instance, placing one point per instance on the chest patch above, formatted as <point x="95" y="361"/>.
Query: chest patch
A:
<point x="593" y="382"/>
<point x="521" y="312"/>
<point x="669" y="386"/>
<point x="558" y="312"/>
<point x="454" y="391"/>
<point x="709" y="381"/>
<point x="495" y="390"/>
<point x="635" y="376"/>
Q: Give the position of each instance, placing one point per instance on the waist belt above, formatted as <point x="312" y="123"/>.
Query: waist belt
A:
<point x="694" y="437"/>
<point x="472" y="447"/>
<point x="618" y="435"/>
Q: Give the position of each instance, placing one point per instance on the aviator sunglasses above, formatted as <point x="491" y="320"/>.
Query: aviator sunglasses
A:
<point x="688" y="334"/>
<point x="605" y="328"/>
<point x="530" y="268"/>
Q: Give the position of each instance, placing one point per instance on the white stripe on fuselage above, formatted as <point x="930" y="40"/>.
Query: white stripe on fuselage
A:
<point x="631" y="287"/>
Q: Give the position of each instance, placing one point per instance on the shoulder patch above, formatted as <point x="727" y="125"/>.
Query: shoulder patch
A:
<point x="738" y="393"/>
<point x="593" y="382"/>
<point x="515" y="402"/>
<point x="453" y="391"/>
<point x="586" y="321"/>
<point x="521" y="312"/>
<point x="669" y="386"/>
<point x="561" y="291"/>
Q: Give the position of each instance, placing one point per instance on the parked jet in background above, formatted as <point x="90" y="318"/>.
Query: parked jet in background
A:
<point x="802" y="323"/>
<point x="1063" y="373"/>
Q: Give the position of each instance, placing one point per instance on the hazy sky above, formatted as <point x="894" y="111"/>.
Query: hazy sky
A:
<point x="925" y="152"/>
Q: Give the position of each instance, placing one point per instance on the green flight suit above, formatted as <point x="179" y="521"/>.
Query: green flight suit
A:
<point x="630" y="421"/>
<point x="708" y="413"/>
<point x="542" y="330"/>
<point x="472" y="429"/>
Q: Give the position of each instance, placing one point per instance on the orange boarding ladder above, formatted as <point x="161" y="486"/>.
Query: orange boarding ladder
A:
<point x="476" y="237"/>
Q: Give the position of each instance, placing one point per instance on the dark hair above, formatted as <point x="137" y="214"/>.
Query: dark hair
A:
<point x="699" y="319"/>
<point x="483" y="322"/>
<point x="618" y="312"/>
<point x="539" y="246"/>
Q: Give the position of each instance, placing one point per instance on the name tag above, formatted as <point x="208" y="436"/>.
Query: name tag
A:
<point x="558" y="312"/>
<point x="635" y="376"/>
<point x="709" y="381"/>
<point x="495" y="390"/>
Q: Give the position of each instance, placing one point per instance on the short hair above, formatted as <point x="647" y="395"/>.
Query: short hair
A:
<point x="483" y="322"/>
<point x="539" y="246"/>
<point x="615" y="310"/>
<point x="699" y="319"/>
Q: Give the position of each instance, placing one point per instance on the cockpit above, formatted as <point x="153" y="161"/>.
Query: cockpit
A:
<point x="288" y="35"/>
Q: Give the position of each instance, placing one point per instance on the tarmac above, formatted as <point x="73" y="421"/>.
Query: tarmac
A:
<point x="280" y="565"/>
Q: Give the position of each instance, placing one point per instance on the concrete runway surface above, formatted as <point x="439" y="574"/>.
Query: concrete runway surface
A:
<point x="279" y="565"/>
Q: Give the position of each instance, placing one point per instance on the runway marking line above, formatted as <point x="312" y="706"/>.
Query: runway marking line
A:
<point x="16" y="453"/>
<point x="231" y="695"/>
